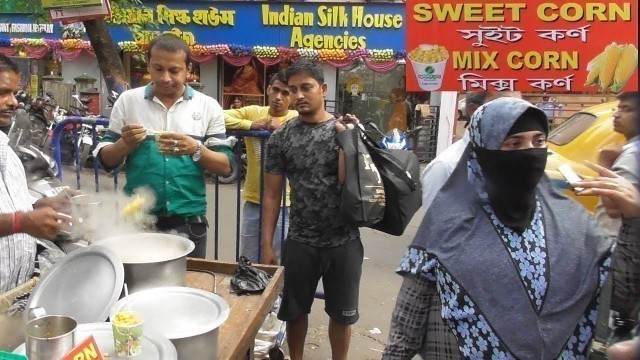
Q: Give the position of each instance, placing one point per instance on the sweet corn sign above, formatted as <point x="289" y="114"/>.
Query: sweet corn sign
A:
<point x="533" y="45"/>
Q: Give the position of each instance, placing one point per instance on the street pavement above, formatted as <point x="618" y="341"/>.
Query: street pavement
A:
<point x="378" y="288"/>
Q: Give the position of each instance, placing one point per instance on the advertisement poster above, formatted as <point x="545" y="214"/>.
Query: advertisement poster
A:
<point x="522" y="46"/>
<point x="61" y="4"/>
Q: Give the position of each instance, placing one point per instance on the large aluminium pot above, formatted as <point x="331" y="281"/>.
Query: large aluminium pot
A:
<point x="151" y="259"/>
<point x="189" y="317"/>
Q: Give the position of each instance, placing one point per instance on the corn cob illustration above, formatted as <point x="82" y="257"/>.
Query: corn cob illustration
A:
<point x="594" y="67"/>
<point x="626" y="66"/>
<point x="609" y="61"/>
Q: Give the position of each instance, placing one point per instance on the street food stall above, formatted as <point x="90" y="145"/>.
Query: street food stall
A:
<point x="87" y="300"/>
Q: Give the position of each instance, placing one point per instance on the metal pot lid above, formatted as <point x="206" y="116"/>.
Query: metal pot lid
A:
<point x="154" y="345"/>
<point x="178" y="312"/>
<point x="83" y="285"/>
<point x="147" y="248"/>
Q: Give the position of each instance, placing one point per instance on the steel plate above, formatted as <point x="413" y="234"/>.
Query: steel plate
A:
<point x="154" y="345"/>
<point x="83" y="285"/>
<point x="178" y="312"/>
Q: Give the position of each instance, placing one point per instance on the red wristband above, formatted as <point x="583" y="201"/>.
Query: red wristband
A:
<point x="15" y="223"/>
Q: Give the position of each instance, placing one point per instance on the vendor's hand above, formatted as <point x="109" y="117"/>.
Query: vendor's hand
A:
<point x="133" y="135"/>
<point x="608" y="155"/>
<point x="345" y="122"/>
<point x="268" y="257"/>
<point x="43" y="223"/>
<point x="619" y="196"/>
<point x="59" y="202"/>
<point x="177" y="144"/>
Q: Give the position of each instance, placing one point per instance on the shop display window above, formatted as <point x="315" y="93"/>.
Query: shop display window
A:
<point x="245" y="85"/>
<point x="379" y="97"/>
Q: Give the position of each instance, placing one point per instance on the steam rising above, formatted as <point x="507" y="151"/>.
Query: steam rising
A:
<point x="106" y="214"/>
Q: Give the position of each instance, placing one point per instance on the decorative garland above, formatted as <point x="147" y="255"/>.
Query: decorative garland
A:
<point x="273" y="52"/>
<point x="266" y="54"/>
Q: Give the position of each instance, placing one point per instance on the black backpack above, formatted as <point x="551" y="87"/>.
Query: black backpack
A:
<point x="400" y="172"/>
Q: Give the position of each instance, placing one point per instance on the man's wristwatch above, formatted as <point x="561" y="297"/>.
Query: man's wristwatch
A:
<point x="198" y="154"/>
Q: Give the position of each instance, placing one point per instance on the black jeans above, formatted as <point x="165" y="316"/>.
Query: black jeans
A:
<point x="196" y="232"/>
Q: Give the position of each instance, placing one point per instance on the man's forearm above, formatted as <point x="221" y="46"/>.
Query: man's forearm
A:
<point x="6" y="224"/>
<point x="215" y="162"/>
<point x="114" y="154"/>
<point x="342" y="166"/>
<point x="270" y="211"/>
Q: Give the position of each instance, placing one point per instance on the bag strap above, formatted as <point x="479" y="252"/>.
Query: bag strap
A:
<point x="601" y="333"/>
<point x="396" y="170"/>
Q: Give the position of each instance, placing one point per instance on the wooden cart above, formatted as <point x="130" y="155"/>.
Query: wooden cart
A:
<point x="236" y="336"/>
<point x="248" y="312"/>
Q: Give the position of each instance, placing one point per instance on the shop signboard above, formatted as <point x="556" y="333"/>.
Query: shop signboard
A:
<point x="65" y="4"/>
<point x="522" y="46"/>
<point x="24" y="26"/>
<point x="70" y="15"/>
<point x="343" y="26"/>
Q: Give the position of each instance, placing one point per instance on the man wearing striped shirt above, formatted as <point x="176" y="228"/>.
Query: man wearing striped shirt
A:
<point x="20" y="221"/>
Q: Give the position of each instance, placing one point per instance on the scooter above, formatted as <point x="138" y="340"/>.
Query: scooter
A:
<point x="396" y="139"/>
<point x="40" y="168"/>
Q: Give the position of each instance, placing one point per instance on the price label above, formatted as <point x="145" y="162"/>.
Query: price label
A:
<point x="86" y="350"/>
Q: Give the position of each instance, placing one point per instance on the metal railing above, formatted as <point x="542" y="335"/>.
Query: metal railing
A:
<point x="71" y="123"/>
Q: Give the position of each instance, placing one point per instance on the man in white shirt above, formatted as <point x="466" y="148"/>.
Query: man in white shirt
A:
<point x="20" y="224"/>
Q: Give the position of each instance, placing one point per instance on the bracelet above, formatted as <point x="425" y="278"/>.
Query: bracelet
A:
<point x="16" y="227"/>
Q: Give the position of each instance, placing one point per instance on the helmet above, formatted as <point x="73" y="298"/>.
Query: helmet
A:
<point x="395" y="140"/>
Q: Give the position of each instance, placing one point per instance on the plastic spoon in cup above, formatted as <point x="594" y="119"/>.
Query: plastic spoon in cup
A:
<point x="126" y="296"/>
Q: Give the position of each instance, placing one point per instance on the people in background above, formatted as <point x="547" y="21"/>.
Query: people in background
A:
<point x="551" y="107"/>
<point x="260" y="118"/>
<point x="237" y="103"/>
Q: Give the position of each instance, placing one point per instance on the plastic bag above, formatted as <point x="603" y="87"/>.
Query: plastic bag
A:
<point x="248" y="279"/>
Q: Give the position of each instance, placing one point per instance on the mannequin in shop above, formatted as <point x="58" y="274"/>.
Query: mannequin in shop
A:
<point x="245" y="81"/>
<point x="399" y="111"/>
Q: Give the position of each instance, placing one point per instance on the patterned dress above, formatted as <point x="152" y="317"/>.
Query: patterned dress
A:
<point x="456" y="299"/>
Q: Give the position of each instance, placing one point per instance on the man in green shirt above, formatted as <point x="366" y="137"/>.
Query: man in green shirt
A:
<point x="191" y="139"/>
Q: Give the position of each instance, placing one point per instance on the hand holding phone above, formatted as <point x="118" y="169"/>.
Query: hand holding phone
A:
<point x="567" y="172"/>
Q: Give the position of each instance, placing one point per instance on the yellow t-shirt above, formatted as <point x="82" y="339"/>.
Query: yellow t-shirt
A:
<point x="241" y="119"/>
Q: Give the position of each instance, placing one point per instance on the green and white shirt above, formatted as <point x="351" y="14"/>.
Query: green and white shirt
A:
<point x="177" y="181"/>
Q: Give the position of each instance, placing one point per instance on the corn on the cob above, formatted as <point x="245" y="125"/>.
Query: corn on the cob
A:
<point x="609" y="62"/>
<point x="134" y="207"/>
<point x="627" y="64"/>
<point x="594" y="67"/>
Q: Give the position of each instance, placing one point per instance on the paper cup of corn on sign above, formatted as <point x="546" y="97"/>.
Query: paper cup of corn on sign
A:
<point x="429" y="63"/>
<point x="613" y="67"/>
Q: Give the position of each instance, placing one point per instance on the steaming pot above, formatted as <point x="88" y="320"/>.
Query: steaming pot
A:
<point x="151" y="259"/>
